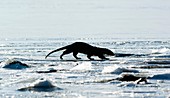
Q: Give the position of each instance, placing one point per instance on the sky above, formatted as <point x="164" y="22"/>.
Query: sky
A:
<point x="84" y="18"/>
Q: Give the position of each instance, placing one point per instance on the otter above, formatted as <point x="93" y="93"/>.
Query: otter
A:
<point x="81" y="47"/>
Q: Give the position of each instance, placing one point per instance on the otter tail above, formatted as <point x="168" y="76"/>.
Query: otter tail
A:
<point x="55" y="51"/>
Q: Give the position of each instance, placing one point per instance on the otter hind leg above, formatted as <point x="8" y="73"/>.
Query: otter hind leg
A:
<point x="64" y="53"/>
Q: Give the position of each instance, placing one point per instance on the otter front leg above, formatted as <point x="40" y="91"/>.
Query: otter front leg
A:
<point x="89" y="57"/>
<point x="75" y="55"/>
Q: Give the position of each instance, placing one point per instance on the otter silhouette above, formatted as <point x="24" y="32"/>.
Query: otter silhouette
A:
<point x="81" y="47"/>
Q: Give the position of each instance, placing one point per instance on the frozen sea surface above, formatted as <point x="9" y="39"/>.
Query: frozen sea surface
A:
<point x="70" y="78"/>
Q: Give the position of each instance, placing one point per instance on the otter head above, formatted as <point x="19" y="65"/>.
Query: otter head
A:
<point x="108" y="52"/>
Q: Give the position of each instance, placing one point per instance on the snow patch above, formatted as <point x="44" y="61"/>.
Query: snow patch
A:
<point x="84" y="66"/>
<point x="118" y="70"/>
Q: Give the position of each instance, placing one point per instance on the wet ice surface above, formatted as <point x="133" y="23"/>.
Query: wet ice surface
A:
<point x="53" y="77"/>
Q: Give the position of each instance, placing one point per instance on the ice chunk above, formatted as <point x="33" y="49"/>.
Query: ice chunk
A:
<point x="160" y="51"/>
<point x="41" y="85"/>
<point x="13" y="64"/>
